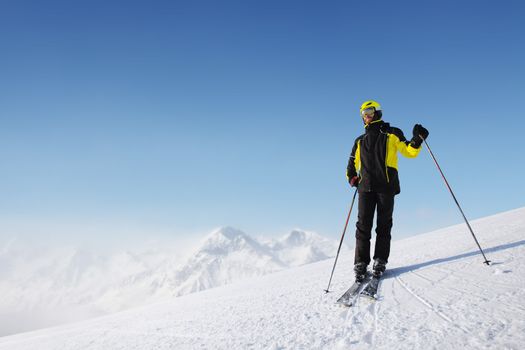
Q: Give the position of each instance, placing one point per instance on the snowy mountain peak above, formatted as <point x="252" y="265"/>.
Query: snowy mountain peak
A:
<point x="77" y="279"/>
<point x="228" y="232"/>
<point x="435" y="295"/>
<point x="298" y="237"/>
<point x="226" y="255"/>
<point x="226" y="240"/>
<point x="302" y="247"/>
<point x="227" y="235"/>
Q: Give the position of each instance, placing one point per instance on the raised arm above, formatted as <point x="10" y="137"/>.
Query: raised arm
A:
<point x="411" y="149"/>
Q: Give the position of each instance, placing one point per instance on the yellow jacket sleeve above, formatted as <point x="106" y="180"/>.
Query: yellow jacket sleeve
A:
<point x="407" y="150"/>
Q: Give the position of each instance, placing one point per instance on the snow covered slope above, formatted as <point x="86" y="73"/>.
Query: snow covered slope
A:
<point x="437" y="294"/>
<point x="46" y="287"/>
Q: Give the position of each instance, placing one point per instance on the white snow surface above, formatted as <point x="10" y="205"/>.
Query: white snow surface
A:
<point x="437" y="293"/>
<point x="42" y="287"/>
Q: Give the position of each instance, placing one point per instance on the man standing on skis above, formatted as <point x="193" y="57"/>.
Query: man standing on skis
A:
<point x="372" y="168"/>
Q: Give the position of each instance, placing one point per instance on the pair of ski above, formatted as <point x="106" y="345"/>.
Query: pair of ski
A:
<point x="367" y="288"/>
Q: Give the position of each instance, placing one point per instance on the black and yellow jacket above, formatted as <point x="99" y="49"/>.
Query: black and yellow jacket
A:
<point x="374" y="157"/>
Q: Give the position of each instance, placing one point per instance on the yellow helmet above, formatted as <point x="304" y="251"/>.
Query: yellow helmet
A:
<point x="372" y="104"/>
<point x="369" y="104"/>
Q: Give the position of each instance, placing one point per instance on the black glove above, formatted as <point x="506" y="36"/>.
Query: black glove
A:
<point x="354" y="181"/>
<point x="419" y="134"/>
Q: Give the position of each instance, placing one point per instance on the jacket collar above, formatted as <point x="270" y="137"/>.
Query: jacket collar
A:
<point x="374" y="125"/>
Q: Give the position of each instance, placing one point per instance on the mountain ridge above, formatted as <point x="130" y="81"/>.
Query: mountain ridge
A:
<point x="39" y="281"/>
<point x="437" y="293"/>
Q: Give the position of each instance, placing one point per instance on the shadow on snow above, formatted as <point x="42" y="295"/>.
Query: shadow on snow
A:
<point x="401" y="270"/>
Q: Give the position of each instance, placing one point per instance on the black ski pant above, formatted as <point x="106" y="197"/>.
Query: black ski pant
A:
<point x="368" y="202"/>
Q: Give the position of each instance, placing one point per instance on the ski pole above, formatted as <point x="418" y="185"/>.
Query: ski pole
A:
<point x="455" y="200"/>
<point x="327" y="290"/>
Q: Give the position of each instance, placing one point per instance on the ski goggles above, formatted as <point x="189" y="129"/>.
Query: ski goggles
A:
<point x="368" y="112"/>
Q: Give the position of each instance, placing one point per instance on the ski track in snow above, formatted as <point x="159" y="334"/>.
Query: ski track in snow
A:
<point x="426" y="303"/>
<point x="434" y="296"/>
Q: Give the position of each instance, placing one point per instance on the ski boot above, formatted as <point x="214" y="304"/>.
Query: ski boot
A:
<point x="360" y="271"/>
<point x="379" y="267"/>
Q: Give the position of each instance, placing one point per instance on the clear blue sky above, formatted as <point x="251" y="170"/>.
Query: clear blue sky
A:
<point x="122" y="118"/>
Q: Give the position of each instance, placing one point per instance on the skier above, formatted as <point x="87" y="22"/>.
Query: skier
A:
<point x="372" y="168"/>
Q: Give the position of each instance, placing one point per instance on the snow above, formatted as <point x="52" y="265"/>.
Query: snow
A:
<point x="302" y="247"/>
<point x="46" y="287"/>
<point x="437" y="294"/>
